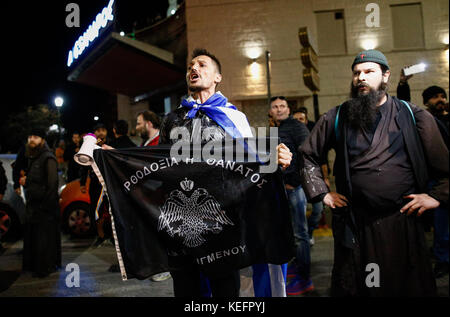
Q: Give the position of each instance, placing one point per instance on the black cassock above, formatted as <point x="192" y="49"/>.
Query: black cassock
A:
<point x="42" y="237"/>
<point x="375" y="170"/>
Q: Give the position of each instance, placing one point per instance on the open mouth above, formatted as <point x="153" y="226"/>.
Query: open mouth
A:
<point x="194" y="77"/>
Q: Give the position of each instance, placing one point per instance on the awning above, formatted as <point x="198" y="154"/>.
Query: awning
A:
<point x="122" y="65"/>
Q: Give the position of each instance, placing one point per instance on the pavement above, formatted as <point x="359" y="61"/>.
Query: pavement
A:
<point x="96" y="281"/>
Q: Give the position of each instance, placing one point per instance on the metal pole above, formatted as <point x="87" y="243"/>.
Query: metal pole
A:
<point x="268" y="77"/>
<point x="316" y="106"/>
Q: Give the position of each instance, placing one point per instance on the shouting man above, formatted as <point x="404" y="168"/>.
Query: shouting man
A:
<point x="206" y="109"/>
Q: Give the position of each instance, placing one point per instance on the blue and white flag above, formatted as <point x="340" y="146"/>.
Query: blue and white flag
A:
<point x="225" y="114"/>
<point x="263" y="280"/>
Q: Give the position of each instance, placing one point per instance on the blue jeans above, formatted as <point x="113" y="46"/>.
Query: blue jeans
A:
<point x="314" y="218"/>
<point x="297" y="200"/>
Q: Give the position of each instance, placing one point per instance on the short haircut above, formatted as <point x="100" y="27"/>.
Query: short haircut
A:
<point x="152" y="117"/>
<point x="432" y="91"/>
<point x="99" y="125"/>
<point x="121" y="127"/>
<point x="277" y="97"/>
<point x="299" y="111"/>
<point x="201" y="51"/>
<point x="303" y="109"/>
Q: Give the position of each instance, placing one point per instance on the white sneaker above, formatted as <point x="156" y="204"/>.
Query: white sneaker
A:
<point x="161" y="277"/>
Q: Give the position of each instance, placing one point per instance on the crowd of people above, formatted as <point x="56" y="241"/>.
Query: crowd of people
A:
<point x="391" y="167"/>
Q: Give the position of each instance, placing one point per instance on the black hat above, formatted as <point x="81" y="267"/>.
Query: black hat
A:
<point x="432" y="91"/>
<point x="39" y="131"/>
<point x="371" y="56"/>
<point x="99" y="126"/>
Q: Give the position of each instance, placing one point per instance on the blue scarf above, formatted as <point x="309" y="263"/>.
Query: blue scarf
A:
<point x="211" y="108"/>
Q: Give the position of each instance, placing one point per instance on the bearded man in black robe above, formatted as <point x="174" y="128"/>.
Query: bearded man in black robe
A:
<point x="386" y="151"/>
<point x="42" y="237"/>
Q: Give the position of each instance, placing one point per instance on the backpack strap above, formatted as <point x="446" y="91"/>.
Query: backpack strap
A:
<point x="336" y="123"/>
<point x="410" y="110"/>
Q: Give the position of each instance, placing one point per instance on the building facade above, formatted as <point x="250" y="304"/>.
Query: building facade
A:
<point x="147" y="70"/>
<point x="240" y="32"/>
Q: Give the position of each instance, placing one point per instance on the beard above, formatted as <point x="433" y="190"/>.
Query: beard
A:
<point x="439" y="109"/>
<point x="362" y="108"/>
<point x="101" y="140"/>
<point x="33" y="149"/>
<point x="143" y="134"/>
<point x="193" y="89"/>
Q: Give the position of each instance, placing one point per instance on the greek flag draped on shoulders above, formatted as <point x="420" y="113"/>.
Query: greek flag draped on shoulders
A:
<point x="222" y="112"/>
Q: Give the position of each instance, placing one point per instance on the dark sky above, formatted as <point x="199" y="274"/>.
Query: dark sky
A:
<point x="35" y="43"/>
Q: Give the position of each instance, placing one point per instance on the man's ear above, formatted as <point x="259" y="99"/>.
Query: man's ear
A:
<point x="218" y="78"/>
<point x="386" y="76"/>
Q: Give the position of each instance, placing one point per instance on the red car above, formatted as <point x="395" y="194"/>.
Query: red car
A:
<point x="75" y="212"/>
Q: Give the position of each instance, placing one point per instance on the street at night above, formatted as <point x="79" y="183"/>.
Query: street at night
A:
<point x="94" y="278"/>
<point x="293" y="149"/>
<point x="97" y="281"/>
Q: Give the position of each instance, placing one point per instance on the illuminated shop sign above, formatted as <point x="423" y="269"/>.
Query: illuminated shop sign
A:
<point x="101" y="21"/>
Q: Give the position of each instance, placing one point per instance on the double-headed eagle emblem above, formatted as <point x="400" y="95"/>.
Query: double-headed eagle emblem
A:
<point x="191" y="217"/>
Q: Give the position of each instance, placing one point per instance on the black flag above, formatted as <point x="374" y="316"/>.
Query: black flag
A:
<point x="221" y="213"/>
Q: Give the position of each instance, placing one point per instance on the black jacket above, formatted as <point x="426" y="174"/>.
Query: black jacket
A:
<point x="122" y="142"/>
<point x="42" y="185"/>
<point x="177" y="118"/>
<point x="292" y="133"/>
<point x="403" y="92"/>
<point x="443" y="125"/>
<point x="73" y="168"/>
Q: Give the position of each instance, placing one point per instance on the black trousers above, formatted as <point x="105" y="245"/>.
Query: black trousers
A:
<point x="188" y="283"/>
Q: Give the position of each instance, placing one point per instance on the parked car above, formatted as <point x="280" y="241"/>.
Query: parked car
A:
<point x="12" y="207"/>
<point x="75" y="214"/>
<point x="74" y="207"/>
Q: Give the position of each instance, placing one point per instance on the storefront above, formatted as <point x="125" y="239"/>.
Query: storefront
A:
<point x="144" y="71"/>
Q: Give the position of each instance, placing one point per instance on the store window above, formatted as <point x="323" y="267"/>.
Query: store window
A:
<point x="331" y="32"/>
<point x="407" y="26"/>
